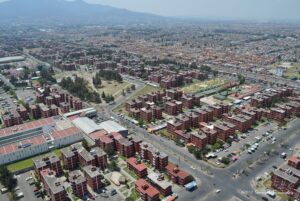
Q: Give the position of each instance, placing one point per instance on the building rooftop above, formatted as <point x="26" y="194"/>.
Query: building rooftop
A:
<point x="111" y="126"/>
<point x="136" y="164"/>
<point x="54" y="183"/>
<point x="92" y="171"/>
<point x="159" y="180"/>
<point x="76" y="177"/>
<point x="86" y="125"/>
<point x="146" y="188"/>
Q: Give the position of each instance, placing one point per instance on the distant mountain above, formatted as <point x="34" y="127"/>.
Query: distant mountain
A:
<point x="75" y="12"/>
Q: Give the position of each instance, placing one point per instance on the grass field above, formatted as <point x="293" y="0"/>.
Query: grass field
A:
<point x="199" y="85"/>
<point x="27" y="163"/>
<point x="293" y="72"/>
<point x="108" y="87"/>
<point x="147" y="89"/>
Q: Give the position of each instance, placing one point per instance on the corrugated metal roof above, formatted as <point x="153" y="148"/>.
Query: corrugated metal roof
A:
<point x="111" y="126"/>
<point x="86" y="125"/>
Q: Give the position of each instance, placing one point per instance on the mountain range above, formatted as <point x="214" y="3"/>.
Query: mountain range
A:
<point x="76" y="12"/>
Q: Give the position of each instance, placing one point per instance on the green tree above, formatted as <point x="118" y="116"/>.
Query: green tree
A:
<point x="113" y="166"/>
<point x="241" y="79"/>
<point x="85" y="144"/>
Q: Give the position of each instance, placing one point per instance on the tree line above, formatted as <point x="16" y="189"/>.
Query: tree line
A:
<point x="79" y="87"/>
<point x="108" y="75"/>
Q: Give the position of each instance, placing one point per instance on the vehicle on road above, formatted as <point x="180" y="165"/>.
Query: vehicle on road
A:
<point x="218" y="190"/>
<point x="4" y="190"/>
<point x="113" y="192"/>
<point x="190" y="186"/>
<point x="20" y="195"/>
<point x="283" y="155"/>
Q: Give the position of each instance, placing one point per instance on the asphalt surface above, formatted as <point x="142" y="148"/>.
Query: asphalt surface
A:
<point x="211" y="178"/>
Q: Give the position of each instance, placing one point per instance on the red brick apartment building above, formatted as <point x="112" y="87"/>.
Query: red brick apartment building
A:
<point x="175" y="94"/>
<point x="194" y="118"/>
<point x="86" y="158"/>
<point x="199" y="139"/>
<point x="294" y="162"/>
<point x="173" y="107"/>
<point x="78" y="183"/>
<point x="242" y="122"/>
<point x="34" y="111"/>
<point x="211" y="134"/>
<point x="52" y="185"/>
<point x="174" y="125"/>
<point x="64" y="107"/>
<point x="278" y="114"/>
<point x="125" y="147"/>
<point x="12" y="118"/>
<point x="160" y="183"/>
<point x="23" y="112"/>
<point x="93" y="177"/>
<point x="100" y="157"/>
<point x="137" y="167"/>
<point x="182" y="135"/>
<point x="177" y="175"/>
<point x="69" y="157"/>
<point x="146" y="190"/>
<point x="286" y="178"/>
<point x="51" y="162"/>
<point x="158" y="160"/>
<point x="146" y="114"/>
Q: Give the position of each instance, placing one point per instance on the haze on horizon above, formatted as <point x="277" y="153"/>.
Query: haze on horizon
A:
<point x="214" y="9"/>
<point x="258" y="10"/>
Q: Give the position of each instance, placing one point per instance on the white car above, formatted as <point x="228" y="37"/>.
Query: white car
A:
<point x="28" y="178"/>
<point x="218" y="190"/>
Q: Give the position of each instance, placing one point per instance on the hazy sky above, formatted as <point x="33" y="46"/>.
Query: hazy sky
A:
<point x="233" y="9"/>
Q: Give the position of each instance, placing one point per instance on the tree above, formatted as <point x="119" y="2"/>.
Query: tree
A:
<point x="113" y="166"/>
<point x="133" y="87"/>
<point x="85" y="144"/>
<point x="6" y="178"/>
<point x="241" y="79"/>
<point x="110" y="151"/>
<point x="103" y="95"/>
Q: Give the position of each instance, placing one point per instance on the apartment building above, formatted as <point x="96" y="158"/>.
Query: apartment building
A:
<point x="137" y="167"/>
<point x="78" y="183"/>
<point x="146" y="190"/>
<point x="93" y="177"/>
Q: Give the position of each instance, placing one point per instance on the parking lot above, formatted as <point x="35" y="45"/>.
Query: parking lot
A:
<point x="26" y="188"/>
<point x="249" y="142"/>
<point x="27" y="95"/>
<point x="6" y="102"/>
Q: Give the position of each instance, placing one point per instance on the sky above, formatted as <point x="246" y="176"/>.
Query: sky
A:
<point x="214" y="9"/>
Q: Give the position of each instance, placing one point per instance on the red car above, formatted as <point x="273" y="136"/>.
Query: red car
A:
<point x="35" y="190"/>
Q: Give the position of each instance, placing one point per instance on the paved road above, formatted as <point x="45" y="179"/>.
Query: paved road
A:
<point x="257" y="76"/>
<point x="213" y="178"/>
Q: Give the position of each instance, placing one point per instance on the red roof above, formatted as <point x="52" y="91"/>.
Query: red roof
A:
<point x="26" y="126"/>
<point x="98" y="134"/>
<point x="105" y="139"/>
<point x="294" y="159"/>
<point x="15" y="146"/>
<point x="134" y="163"/>
<point x="146" y="188"/>
<point x="66" y="132"/>
<point x="175" y="171"/>
<point x="116" y="135"/>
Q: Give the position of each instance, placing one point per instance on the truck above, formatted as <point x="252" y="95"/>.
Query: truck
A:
<point x="190" y="186"/>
